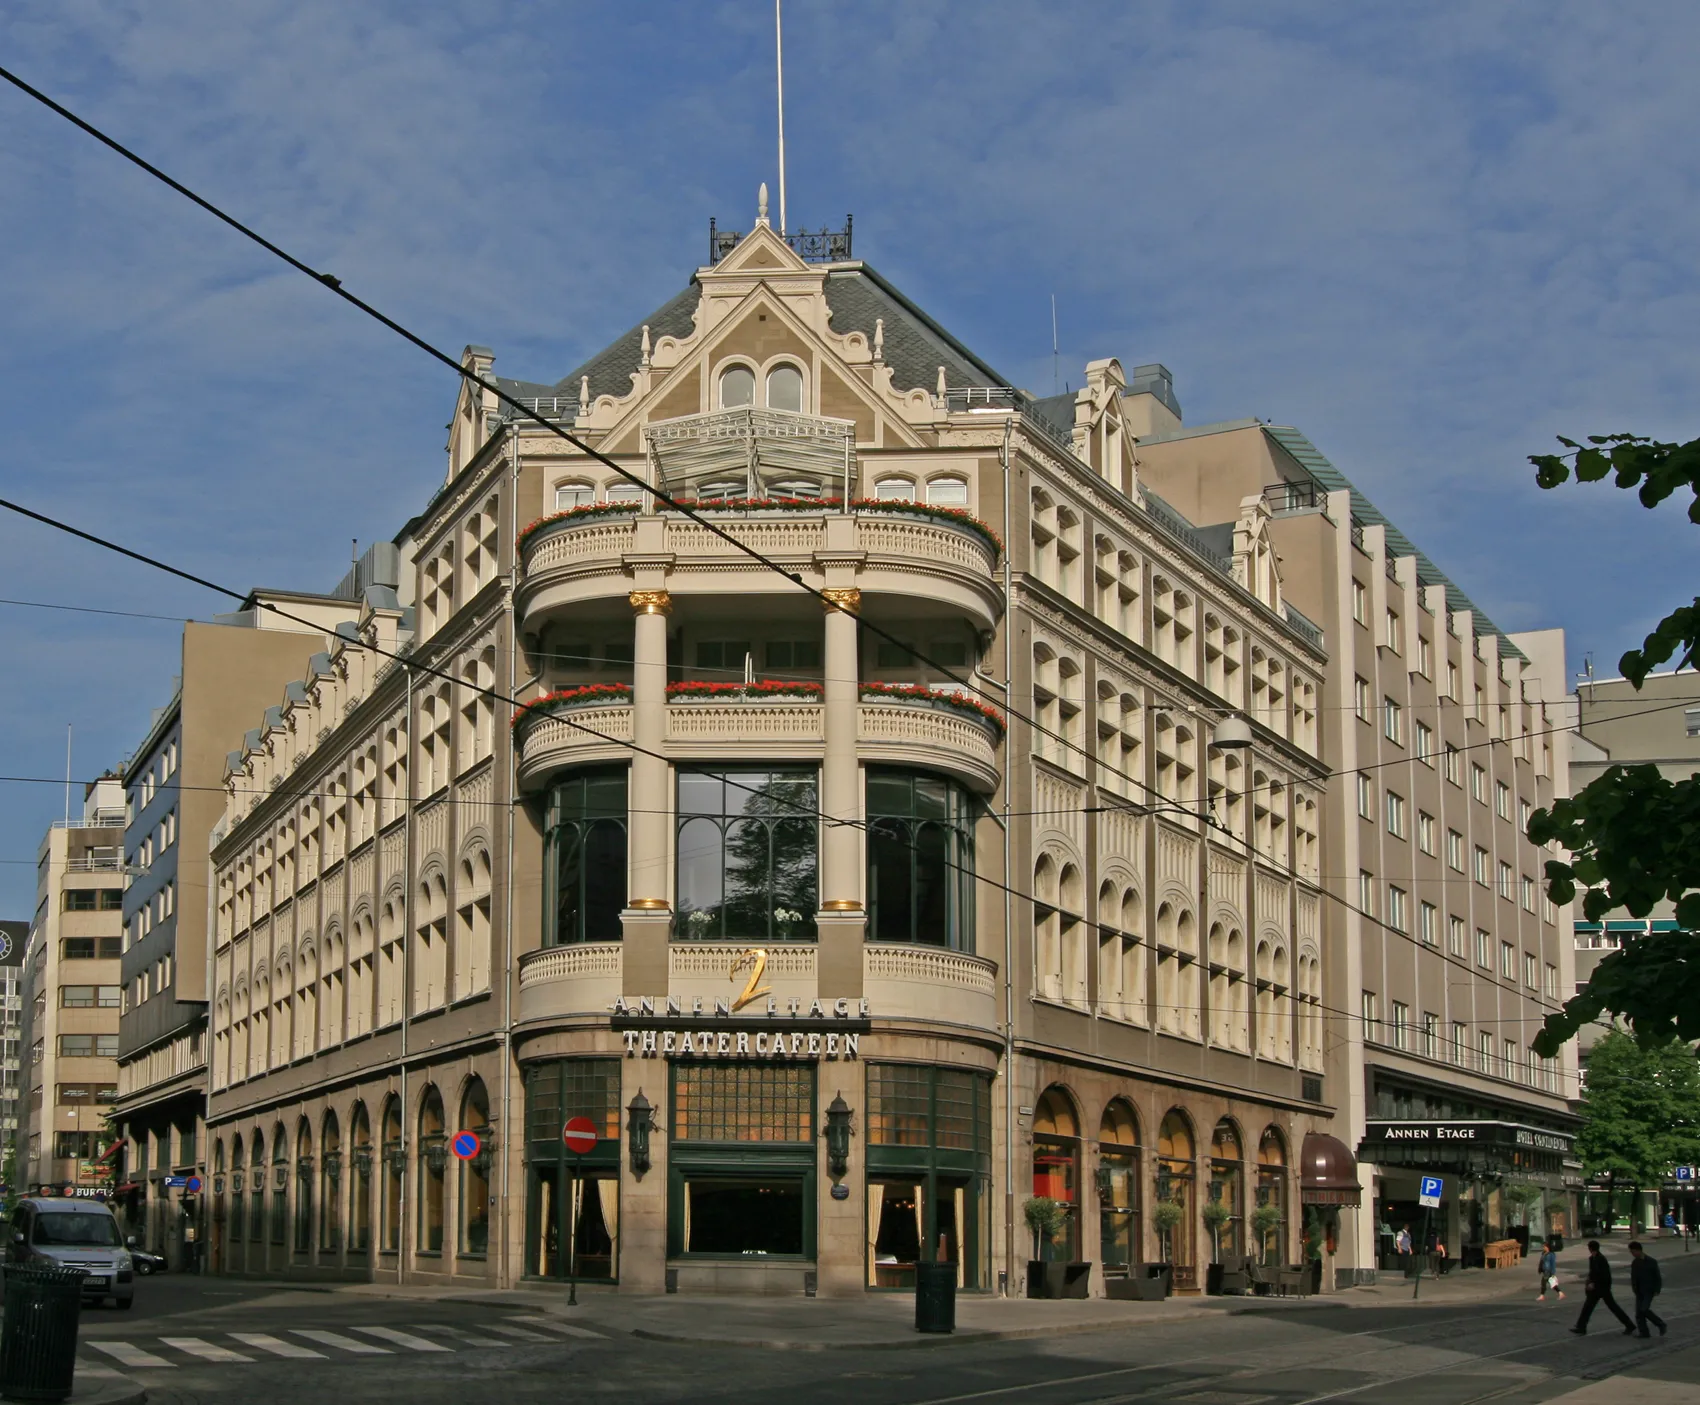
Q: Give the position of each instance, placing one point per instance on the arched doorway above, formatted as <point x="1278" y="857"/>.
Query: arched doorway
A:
<point x="1227" y="1190"/>
<point x="1271" y="1228"/>
<point x="303" y="1191"/>
<point x="433" y="1163"/>
<point x="359" y="1184"/>
<point x="474" y="1188"/>
<point x="1056" y="1172"/>
<point x="330" y="1189"/>
<point x="1177" y="1171"/>
<point x="1118" y="1189"/>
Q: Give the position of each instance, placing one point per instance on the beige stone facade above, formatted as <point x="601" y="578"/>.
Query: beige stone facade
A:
<point x="853" y="895"/>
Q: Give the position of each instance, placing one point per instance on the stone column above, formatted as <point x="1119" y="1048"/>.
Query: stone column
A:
<point x="841" y="919"/>
<point x="647" y="919"/>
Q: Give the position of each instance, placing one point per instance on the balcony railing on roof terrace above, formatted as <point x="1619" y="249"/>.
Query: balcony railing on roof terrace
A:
<point x="753" y="453"/>
<point x="822" y="246"/>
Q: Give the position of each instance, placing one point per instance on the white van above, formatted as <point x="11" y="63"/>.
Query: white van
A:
<point x="74" y="1234"/>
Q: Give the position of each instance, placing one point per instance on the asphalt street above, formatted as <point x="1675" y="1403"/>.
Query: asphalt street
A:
<point x="203" y="1340"/>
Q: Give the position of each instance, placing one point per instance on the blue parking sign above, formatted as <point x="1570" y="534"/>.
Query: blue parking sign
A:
<point x="1429" y="1191"/>
<point x="1685" y="1173"/>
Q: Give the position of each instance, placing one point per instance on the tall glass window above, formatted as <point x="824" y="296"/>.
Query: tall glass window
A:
<point x="475" y="1173"/>
<point x="360" y="1181"/>
<point x="1056" y="1172"/>
<point x="929" y="1162"/>
<point x="238" y="1221"/>
<point x="748" y="850"/>
<point x="1227" y="1187"/>
<point x="587" y="856"/>
<point x="433" y="1162"/>
<point x="304" y="1189"/>
<point x="572" y="1210"/>
<point x="395" y="1166"/>
<point x="257" y="1195"/>
<point x="1118" y="1188"/>
<point x="280" y="1187"/>
<point x="741" y="1160"/>
<point x="920" y="860"/>
<point x="330" y="1188"/>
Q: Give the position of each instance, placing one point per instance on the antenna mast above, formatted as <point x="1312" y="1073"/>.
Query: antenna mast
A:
<point x="1055" y="360"/>
<point x="779" y="61"/>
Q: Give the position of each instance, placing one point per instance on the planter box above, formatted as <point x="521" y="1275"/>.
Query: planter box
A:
<point x="1057" y="1280"/>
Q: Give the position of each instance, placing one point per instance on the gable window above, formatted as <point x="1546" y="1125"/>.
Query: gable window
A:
<point x="785" y="388"/>
<point x="569" y="495"/>
<point x="737" y="387"/>
<point x="895" y="490"/>
<point x="947" y="492"/>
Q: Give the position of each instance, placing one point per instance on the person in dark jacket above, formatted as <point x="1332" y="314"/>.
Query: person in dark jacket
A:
<point x="1597" y="1290"/>
<point x="1646" y="1283"/>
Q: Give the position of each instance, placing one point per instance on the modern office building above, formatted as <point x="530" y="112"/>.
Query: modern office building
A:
<point x="14" y="936"/>
<point x="72" y="978"/>
<point x="1442" y="735"/>
<point x="933" y="822"/>
<point x="230" y="671"/>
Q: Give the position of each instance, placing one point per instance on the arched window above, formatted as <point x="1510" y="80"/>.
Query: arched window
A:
<point x="737" y="387"/>
<point x="622" y="491"/>
<point x="949" y="491"/>
<point x="257" y="1200"/>
<point x="1056" y="1172"/>
<point x="920" y="859"/>
<point x="574" y="494"/>
<point x="330" y="1187"/>
<point x="785" y="388"/>
<point x="1271" y="1228"/>
<point x="280" y="1188"/>
<point x="895" y="490"/>
<point x="303" y="1188"/>
<point x="1176" y="1172"/>
<point x="475" y="1174"/>
<point x="395" y="1165"/>
<point x="1227" y="1189"/>
<point x="586" y="837"/>
<point x="1118" y="1188"/>
<point x="237" y="1221"/>
<point x="432" y="1162"/>
<point x="360" y="1181"/>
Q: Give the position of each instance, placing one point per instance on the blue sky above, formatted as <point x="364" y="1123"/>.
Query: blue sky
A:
<point x="1430" y="236"/>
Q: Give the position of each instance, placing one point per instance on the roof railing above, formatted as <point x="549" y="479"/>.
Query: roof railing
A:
<point x="1293" y="497"/>
<point x="812" y="246"/>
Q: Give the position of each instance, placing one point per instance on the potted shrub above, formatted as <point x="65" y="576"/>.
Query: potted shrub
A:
<point x="1167" y="1215"/>
<point x="1265" y="1220"/>
<point x="1216" y="1214"/>
<point x="1048" y="1219"/>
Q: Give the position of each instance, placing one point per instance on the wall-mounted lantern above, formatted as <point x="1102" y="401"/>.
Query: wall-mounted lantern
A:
<point x="837" y="1136"/>
<point x="640" y="1122"/>
<point x="333" y="1168"/>
<point x="1106" y="1183"/>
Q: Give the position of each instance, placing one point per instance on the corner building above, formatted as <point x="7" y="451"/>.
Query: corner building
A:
<point x="840" y="960"/>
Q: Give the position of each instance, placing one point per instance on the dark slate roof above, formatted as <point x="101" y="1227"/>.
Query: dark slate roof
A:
<point x="1366" y="512"/>
<point x="1056" y="411"/>
<point x="915" y="345"/>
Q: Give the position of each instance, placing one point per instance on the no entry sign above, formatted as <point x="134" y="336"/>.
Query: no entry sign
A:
<point x="579" y="1135"/>
<point x="466" y="1145"/>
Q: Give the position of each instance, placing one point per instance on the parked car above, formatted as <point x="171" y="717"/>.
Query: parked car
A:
<point x="74" y="1234"/>
<point x="145" y="1262"/>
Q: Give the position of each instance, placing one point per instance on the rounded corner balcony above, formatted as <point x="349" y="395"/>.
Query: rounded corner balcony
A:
<point x="775" y="482"/>
<point x="897" y="724"/>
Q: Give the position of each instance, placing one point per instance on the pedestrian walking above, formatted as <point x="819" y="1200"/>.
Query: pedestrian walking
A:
<point x="1548" y="1269"/>
<point x="1597" y="1290"/>
<point x="1646" y="1283"/>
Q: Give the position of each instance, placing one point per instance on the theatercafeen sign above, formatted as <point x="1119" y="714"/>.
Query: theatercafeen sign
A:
<point x="725" y="1026"/>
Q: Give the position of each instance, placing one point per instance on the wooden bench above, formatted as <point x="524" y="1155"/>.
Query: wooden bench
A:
<point x="1502" y="1253"/>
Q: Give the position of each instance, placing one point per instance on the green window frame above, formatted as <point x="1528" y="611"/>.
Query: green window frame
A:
<point x="920" y="859"/>
<point x="748" y="844"/>
<point x="585" y="835"/>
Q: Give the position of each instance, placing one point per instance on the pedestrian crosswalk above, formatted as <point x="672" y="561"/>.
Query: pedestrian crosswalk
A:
<point x="322" y="1344"/>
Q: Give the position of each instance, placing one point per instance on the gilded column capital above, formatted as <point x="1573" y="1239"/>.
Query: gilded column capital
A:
<point x="651" y="602"/>
<point x="845" y="598"/>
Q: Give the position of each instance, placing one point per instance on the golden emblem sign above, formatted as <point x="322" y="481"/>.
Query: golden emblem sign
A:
<point x="756" y="959"/>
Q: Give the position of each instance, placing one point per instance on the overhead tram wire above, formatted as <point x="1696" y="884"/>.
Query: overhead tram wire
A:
<point x="334" y="283"/>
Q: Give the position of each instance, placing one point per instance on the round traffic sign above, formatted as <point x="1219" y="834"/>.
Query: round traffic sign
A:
<point x="465" y="1145"/>
<point x="579" y="1134"/>
<point x="192" y="1185"/>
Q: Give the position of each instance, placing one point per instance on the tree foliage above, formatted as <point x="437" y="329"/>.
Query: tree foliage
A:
<point x="1632" y="833"/>
<point x="1640" y="1110"/>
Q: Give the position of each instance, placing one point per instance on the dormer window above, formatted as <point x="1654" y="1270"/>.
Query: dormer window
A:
<point x="737" y="387"/>
<point x="785" y="388"/>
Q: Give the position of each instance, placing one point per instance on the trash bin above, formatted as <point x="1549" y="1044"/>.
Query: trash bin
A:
<point x="38" y="1339"/>
<point x="935" y="1297"/>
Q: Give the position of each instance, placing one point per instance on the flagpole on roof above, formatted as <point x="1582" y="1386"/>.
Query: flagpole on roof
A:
<point x="779" y="64"/>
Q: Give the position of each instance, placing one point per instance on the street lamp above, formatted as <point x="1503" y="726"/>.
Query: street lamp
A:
<point x="837" y="1136"/>
<point x="1232" y="733"/>
<point x="640" y="1122"/>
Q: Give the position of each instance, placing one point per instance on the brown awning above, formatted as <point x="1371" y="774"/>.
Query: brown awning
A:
<point x="1328" y="1172"/>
